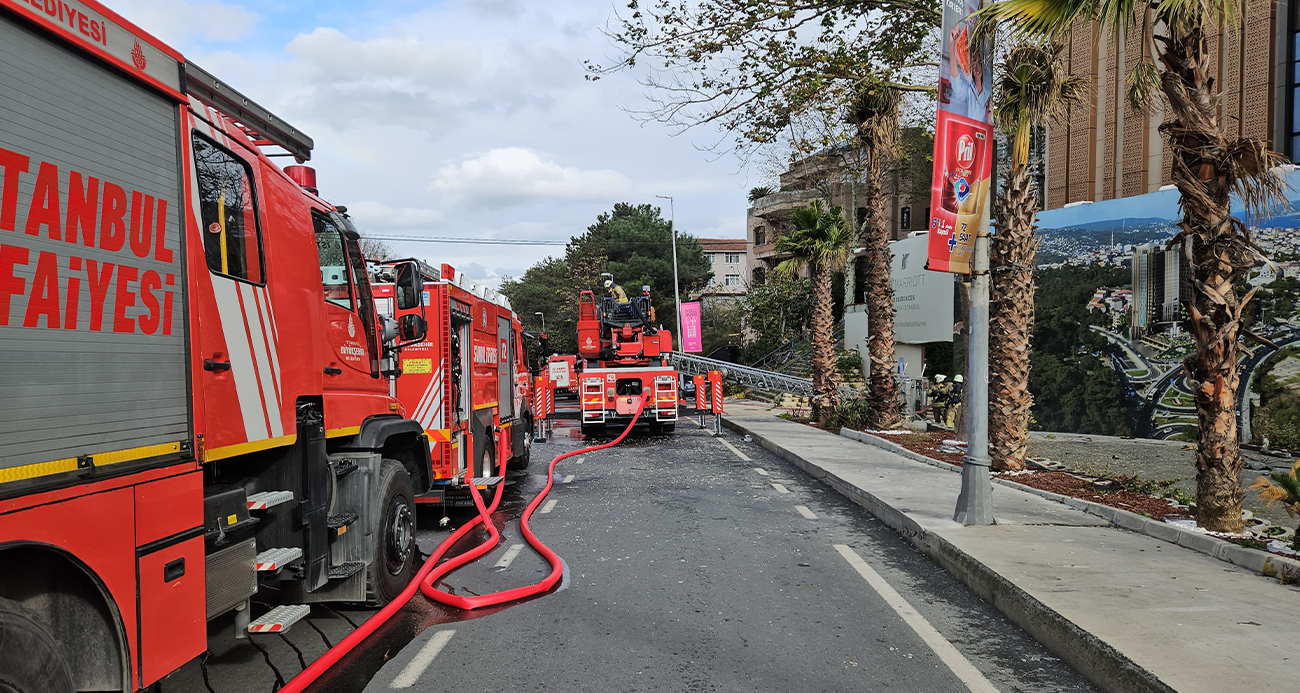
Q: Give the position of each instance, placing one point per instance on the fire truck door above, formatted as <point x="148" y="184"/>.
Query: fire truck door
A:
<point x="348" y="362"/>
<point x="240" y="350"/>
<point x="505" y="368"/>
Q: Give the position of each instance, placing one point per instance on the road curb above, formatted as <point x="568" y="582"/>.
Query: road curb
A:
<point x="1099" y="662"/>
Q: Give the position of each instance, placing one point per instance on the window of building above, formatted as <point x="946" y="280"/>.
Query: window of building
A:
<point x="232" y="238"/>
<point x="333" y="263"/>
<point x="1293" y="145"/>
<point x="733" y="258"/>
<point x="905" y="218"/>
<point x="732" y="280"/>
<point x="760" y="235"/>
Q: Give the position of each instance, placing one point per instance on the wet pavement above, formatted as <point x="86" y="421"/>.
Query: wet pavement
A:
<point x="688" y="570"/>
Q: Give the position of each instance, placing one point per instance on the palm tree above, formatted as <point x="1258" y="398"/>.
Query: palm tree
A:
<point x="1033" y="86"/>
<point x="1207" y="166"/>
<point x="873" y="113"/>
<point x="1282" y="487"/>
<point x="819" y="241"/>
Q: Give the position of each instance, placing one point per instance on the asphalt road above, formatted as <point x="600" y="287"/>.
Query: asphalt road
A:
<point x="691" y="571"/>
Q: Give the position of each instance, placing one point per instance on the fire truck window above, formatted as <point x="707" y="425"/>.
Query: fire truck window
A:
<point x="333" y="263"/>
<point x="231" y="237"/>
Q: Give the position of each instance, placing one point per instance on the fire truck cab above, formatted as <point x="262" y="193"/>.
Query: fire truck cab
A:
<point x="194" y="408"/>
<point x="466" y="383"/>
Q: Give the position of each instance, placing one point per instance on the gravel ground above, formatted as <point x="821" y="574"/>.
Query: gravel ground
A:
<point x="1159" y="460"/>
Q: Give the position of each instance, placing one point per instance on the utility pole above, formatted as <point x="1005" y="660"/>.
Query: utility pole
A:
<point x="975" y="503"/>
<point x="677" y="296"/>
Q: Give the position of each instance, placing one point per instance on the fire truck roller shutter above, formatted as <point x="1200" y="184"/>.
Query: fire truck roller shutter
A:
<point x="399" y="439"/>
<point x="91" y="236"/>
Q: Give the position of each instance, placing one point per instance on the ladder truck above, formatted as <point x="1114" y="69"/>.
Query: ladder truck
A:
<point x="193" y="404"/>
<point x="467" y="382"/>
<point x="624" y="354"/>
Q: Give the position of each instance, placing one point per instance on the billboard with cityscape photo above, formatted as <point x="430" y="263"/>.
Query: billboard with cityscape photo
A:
<point x="1106" y="231"/>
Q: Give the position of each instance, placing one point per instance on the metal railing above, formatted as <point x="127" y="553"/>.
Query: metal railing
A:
<point x="747" y="376"/>
<point x="912" y="390"/>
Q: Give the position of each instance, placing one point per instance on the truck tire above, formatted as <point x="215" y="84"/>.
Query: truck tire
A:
<point x="396" y="554"/>
<point x="31" y="660"/>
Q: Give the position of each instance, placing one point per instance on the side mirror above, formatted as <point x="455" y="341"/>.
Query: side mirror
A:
<point x="409" y="286"/>
<point x="412" y="328"/>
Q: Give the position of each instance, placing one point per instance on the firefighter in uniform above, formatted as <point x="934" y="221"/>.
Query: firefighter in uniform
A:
<point x="615" y="291"/>
<point x="938" y="394"/>
<point x="956" y="411"/>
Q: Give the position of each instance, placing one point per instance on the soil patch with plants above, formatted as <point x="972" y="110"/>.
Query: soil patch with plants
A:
<point x="1115" y="496"/>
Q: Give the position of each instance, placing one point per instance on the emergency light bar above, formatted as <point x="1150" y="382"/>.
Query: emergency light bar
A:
<point x="200" y="84"/>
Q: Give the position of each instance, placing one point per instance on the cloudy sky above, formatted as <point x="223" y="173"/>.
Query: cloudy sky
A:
<point x="463" y="118"/>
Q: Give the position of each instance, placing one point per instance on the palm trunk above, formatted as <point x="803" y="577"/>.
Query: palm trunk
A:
<point x="1011" y="323"/>
<point x="1217" y="248"/>
<point x="882" y="387"/>
<point x="825" y="381"/>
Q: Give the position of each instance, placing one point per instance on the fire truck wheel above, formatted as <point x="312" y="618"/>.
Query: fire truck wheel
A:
<point x="395" y="550"/>
<point x="31" y="661"/>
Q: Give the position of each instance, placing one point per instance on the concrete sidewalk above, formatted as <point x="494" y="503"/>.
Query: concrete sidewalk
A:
<point x="1128" y="611"/>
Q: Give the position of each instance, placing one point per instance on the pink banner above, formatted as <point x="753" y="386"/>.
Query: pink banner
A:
<point x="691" y="340"/>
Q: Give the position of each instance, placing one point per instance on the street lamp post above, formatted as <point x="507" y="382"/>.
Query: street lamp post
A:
<point x="677" y="297"/>
<point x="543" y="316"/>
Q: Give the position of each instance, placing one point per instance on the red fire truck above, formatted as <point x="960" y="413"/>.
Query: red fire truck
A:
<point x="625" y="354"/>
<point x="466" y="383"/>
<point x="562" y="369"/>
<point x="190" y="359"/>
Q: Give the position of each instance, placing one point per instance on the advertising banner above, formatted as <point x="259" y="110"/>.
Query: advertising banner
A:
<point x="692" y="342"/>
<point x="963" y="141"/>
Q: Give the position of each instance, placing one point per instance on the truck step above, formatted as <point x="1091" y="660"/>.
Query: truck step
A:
<point x="345" y="467"/>
<point x="267" y="499"/>
<point x="272" y="560"/>
<point x="485" y="480"/>
<point x="280" y="619"/>
<point x="339" y="523"/>
<point x="346" y="570"/>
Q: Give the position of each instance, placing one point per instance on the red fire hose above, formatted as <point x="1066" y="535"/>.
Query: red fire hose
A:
<point x="431" y="573"/>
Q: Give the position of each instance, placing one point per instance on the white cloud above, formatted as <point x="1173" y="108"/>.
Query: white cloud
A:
<point x="513" y="174"/>
<point x="176" y="21"/>
<point x="378" y="217"/>
<point x="390" y="60"/>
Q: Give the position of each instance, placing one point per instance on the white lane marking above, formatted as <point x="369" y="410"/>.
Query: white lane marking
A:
<point x="412" y="672"/>
<point x="511" y="554"/>
<point x="958" y="663"/>
<point x="803" y="510"/>
<point x="579" y="460"/>
<point x="732" y="448"/>
<point x="568" y="478"/>
<point x="780" y="489"/>
<point x="760" y="470"/>
<point x="548" y="506"/>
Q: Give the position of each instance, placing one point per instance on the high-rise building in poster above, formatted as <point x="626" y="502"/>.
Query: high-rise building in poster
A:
<point x="1104" y="149"/>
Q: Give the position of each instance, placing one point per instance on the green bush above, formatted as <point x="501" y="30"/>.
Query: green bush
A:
<point x="849" y="364"/>
<point x="851" y="413"/>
